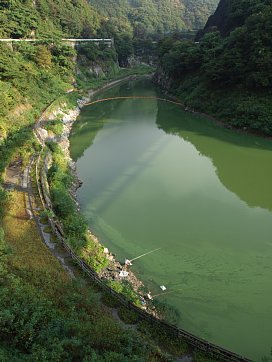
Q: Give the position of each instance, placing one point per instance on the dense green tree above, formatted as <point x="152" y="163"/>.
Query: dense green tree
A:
<point x="43" y="56"/>
<point x="26" y="18"/>
<point x="124" y="47"/>
<point x="233" y="59"/>
<point x="153" y="16"/>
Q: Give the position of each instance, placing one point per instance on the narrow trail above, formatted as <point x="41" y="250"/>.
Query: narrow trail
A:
<point x="19" y="179"/>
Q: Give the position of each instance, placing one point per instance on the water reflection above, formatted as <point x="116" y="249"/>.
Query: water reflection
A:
<point x="242" y="161"/>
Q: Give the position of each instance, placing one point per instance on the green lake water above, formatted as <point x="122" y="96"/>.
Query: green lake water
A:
<point x="155" y="176"/>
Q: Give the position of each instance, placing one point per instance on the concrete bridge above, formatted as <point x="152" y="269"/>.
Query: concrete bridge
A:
<point x="68" y="41"/>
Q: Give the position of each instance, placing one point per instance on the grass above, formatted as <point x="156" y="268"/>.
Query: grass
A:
<point x="30" y="258"/>
<point x="55" y="126"/>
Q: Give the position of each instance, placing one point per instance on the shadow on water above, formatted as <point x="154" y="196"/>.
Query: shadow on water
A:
<point x="89" y="124"/>
<point x="118" y="173"/>
<point x="242" y="161"/>
<point x="92" y="118"/>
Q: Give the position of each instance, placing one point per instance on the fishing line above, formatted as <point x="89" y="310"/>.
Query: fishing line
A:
<point x="140" y="256"/>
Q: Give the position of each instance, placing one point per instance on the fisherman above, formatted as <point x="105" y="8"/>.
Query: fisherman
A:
<point x="149" y="296"/>
<point x="143" y="302"/>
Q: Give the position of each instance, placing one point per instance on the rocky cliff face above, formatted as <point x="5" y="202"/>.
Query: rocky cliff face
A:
<point x="162" y="79"/>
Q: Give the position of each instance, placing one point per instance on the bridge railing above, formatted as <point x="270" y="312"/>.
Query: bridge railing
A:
<point x="73" y="41"/>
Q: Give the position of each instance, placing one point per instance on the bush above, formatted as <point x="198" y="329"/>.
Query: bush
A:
<point x="63" y="203"/>
<point x="56" y="126"/>
<point x="75" y="225"/>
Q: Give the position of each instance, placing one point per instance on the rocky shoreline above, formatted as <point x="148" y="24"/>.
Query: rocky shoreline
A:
<point x="115" y="271"/>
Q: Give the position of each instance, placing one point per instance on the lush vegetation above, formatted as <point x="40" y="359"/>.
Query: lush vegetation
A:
<point x="137" y="24"/>
<point x="97" y="65"/>
<point x="231" y="14"/>
<point x="230" y="75"/>
<point x="154" y="16"/>
<point x="47" y="18"/>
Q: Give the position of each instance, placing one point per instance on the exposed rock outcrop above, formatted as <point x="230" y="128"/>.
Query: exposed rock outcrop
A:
<point x="162" y="79"/>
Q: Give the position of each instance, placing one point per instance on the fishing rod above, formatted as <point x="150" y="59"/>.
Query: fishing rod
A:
<point x="149" y="252"/>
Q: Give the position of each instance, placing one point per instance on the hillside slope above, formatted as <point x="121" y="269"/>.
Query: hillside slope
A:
<point x="229" y="72"/>
<point x="149" y="16"/>
<point x="232" y="14"/>
<point x="47" y="18"/>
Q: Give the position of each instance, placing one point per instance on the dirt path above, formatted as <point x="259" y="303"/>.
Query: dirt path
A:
<point x="17" y="179"/>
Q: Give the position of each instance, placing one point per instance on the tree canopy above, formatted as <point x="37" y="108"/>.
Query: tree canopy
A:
<point x="235" y="62"/>
<point x="154" y="16"/>
<point x="47" y="18"/>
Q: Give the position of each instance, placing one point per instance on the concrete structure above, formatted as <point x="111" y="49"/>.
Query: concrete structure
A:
<point x="69" y="41"/>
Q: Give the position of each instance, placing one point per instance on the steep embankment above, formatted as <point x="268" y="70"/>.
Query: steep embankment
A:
<point x="229" y="72"/>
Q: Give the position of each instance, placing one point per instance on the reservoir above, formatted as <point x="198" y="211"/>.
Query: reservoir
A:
<point x="155" y="176"/>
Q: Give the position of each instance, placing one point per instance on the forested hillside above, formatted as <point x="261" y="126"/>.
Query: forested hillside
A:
<point x="37" y="73"/>
<point x="47" y="18"/>
<point x="232" y="14"/>
<point x="229" y="72"/>
<point x="154" y="16"/>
